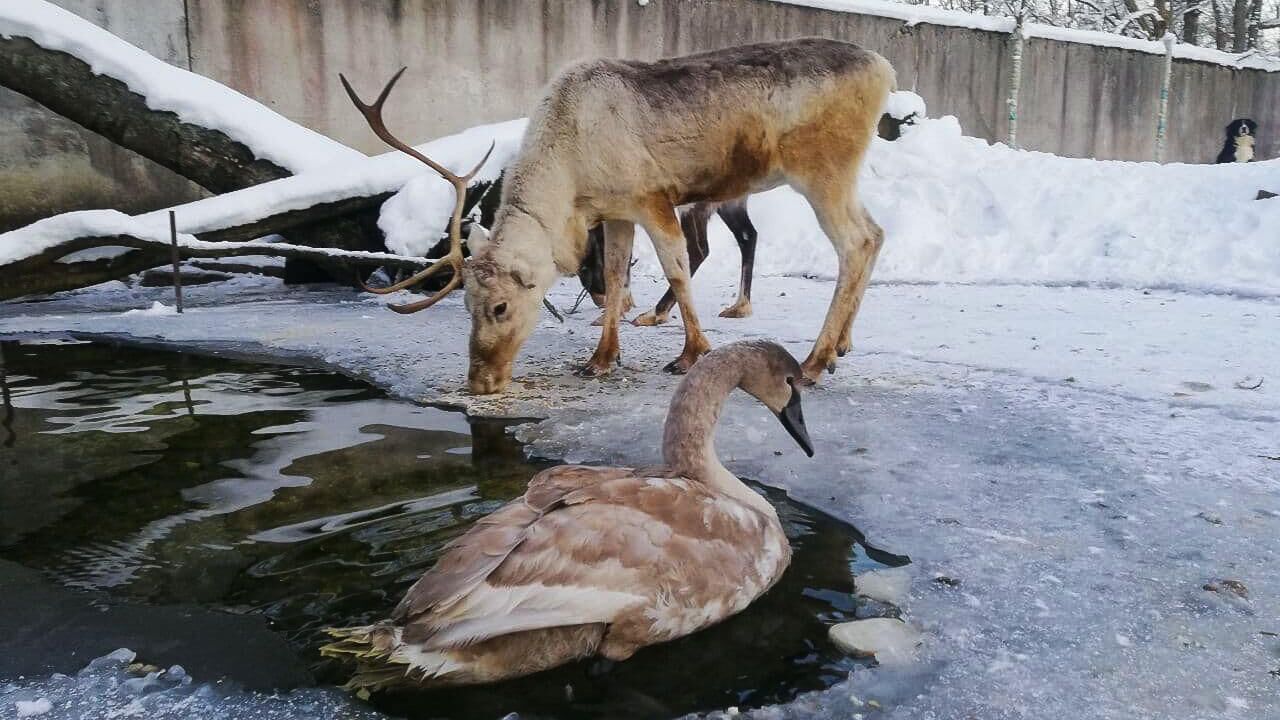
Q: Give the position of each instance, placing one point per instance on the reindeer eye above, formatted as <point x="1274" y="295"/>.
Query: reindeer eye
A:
<point x="499" y="310"/>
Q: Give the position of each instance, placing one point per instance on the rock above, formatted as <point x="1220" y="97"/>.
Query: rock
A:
<point x="1234" y="587"/>
<point x="1265" y="195"/>
<point x="888" y="585"/>
<point x="163" y="277"/>
<point x="889" y="641"/>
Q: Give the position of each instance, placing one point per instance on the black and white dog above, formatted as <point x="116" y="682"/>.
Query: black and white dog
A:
<point x="1239" y="144"/>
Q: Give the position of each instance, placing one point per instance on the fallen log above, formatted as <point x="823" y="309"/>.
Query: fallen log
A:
<point x="68" y="86"/>
<point x="81" y="261"/>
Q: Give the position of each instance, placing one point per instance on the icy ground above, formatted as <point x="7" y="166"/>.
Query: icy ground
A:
<point x="1080" y="462"/>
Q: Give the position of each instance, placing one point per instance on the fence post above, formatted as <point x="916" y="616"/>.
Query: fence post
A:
<point x="1015" y="80"/>
<point x="177" y="270"/>
<point x="1162" y="120"/>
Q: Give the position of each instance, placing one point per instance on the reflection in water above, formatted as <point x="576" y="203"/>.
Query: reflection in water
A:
<point x="315" y="501"/>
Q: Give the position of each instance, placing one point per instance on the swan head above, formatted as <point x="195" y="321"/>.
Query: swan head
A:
<point x="771" y="375"/>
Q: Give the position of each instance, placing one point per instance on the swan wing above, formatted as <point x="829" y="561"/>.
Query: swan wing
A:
<point x="584" y="545"/>
<point x="469" y="559"/>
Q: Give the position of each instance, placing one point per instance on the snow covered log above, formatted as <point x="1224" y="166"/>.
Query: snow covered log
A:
<point x="190" y="124"/>
<point x="76" y="250"/>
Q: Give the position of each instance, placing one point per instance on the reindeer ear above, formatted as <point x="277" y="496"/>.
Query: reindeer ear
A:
<point x="477" y="238"/>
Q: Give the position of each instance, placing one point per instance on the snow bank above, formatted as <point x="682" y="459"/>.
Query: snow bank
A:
<point x="957" y="209"/>
<point x="194" y="98"/>
<point x="915" y="14"/>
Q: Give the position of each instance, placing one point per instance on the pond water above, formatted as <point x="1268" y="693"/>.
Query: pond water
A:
<point x="163" y="480"/>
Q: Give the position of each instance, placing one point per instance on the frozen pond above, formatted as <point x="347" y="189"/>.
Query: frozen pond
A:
<point x="219" y="514"/>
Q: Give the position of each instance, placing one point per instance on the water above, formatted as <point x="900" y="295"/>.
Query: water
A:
<point x="307" y="499"/>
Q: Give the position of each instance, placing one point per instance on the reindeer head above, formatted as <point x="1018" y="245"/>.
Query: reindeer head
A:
<point x="504" y="306"/>
<point x="502" y="300"/>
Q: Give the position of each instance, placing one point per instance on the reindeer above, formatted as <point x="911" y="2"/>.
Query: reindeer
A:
<point x="693" y="224"/>
<point x="623" y="142"/>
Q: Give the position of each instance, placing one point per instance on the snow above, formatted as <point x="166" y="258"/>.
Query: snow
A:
<point x="915" y="14"/>
<point x="365" y="177"/>
<point x="32" y="708"/>
<point x="157" y="309"/>
<point x="96" y="254"/>
<point x="903" y="104"/>
<point x="416" y="217"/>
<point x="193" y="98"/>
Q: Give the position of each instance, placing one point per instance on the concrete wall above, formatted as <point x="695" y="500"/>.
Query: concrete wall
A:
<point x="473" y="61"/>
<point x="50" y="165"/>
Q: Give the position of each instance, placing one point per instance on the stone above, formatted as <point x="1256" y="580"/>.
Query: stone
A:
<point x="889" y="641"/>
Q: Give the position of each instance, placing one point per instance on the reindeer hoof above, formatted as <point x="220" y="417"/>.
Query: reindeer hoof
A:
<point x="598" y="322"/>
<point x="649" y="319"/>
<point x="596" y="368"/>
<point x="677" y="367"/>
<point x="737" y="310"/>
<point x="813" y="368"/>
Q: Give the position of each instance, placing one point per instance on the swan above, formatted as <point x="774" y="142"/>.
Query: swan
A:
<point x="597" y="561"/>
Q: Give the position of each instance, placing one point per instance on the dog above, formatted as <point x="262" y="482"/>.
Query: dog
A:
<point x="1238" y="146"/>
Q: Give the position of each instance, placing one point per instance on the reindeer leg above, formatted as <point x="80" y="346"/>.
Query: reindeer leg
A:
<point x="669" y="243"/>
<point x="617" y="258"/>
<point x="735" y="217"/>
<point x="857" y="241"/>
<point x="693" y="224"/>
<point x="846" y="342"/>
<point x="628" y="302"/>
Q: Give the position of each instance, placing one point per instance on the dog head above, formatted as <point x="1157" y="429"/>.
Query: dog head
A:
<point x="1241" y="127"/>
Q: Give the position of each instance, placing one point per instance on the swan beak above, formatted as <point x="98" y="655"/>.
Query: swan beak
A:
<point x="793" y="420"/>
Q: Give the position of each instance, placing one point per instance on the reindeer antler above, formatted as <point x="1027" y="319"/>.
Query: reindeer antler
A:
<point x="373" y="115"/>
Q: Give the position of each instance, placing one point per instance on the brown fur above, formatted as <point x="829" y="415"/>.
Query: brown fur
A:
<point x="628" y="142"/>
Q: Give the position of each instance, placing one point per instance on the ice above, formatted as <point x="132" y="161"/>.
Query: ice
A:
<point x="107" y="690"/>
<point x="32" y="708"/>
<point x="890" y="640"/>
<point x="193" y="98"/>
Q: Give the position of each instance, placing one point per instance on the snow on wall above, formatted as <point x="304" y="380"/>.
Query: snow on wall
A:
<point x="194" y="98"/>
<point x="915" y="14"/>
